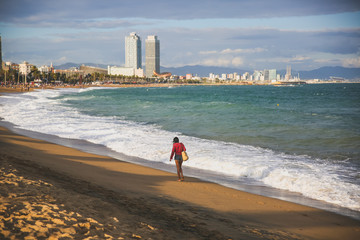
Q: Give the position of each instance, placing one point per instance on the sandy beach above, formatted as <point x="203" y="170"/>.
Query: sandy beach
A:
<point x="49" y="191"/>
<point x="52" y="191"/>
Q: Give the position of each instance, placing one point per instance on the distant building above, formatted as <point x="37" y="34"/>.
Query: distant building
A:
<point x="266" y="75"/>
<point x="269" y="75"/>
<point x="125" y="71"/>
<point x="258" y="75"/>
<point x="25" y="68"/>
<point x="9" y="65"/>
<point x="245" y="76"/>
<point x="189" y="76"/>
<point x="70" y="72"/>
<point x="152" y="55"/>
<point x="288" y="73"/>
<point x="133" y="51"/>
<point x="272" y="74"/>
<point x="235" y="76"/>
<point x="46" y="69"/>
<point x="90" y="70"/>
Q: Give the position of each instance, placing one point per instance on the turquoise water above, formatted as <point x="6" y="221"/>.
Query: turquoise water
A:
<point x="303" y="140"/>
<point x="321" y="121"/>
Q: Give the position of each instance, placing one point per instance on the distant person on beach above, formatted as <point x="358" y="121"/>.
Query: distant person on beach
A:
<point x="177" y="149"/>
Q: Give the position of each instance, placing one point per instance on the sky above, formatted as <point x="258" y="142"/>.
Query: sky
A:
<point x="242" y="34"/>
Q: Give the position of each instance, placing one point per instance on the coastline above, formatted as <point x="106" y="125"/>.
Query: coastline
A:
<point x="200" y="209"/>
<point x="21" y="89"/>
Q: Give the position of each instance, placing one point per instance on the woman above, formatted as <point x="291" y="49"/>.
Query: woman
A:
<point x="177" y="149"/>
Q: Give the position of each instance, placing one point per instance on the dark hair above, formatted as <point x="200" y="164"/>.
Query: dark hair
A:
<point x="176" y="140"/>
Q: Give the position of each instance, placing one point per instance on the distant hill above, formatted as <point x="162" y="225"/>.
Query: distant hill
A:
<point x="70" y="65"/>
<point x="320" y="73"/>
<point x="327" y="72"/>
<point x="203" y="71"/>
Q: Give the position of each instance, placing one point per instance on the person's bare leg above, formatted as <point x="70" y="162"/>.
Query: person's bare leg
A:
<point x="178" y="168"/>
<point x="181" y="171"/>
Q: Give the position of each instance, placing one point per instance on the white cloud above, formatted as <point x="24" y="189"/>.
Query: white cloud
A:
<point x="62" y="59"/>
<point x="299" y="59"/>
<point x="222" y="62"/>
<point x="216" y="62"/>
<point x="237" y="61"/>
<point x="328" y="61"/>
<point x="288" y="60"/>
<point x="227" y="51"/>
<point x="207" y="52"/>
<point x="351" y="62"/>
<point x="240" y="50"/>
<point x="234" y="51"/>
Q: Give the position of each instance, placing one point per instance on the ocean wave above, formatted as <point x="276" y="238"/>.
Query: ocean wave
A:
<point x="42" y="111"/>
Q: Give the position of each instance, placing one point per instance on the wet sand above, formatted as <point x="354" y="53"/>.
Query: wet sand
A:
<point x="52" y="191"/>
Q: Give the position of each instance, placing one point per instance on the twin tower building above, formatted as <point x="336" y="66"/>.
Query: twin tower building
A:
<point x="133" y="53"/>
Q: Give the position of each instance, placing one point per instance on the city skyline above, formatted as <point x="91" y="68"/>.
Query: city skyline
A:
<point x="256" y="34"/>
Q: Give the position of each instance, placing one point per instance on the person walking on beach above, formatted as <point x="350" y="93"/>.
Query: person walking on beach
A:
<point x="177" y="149"/>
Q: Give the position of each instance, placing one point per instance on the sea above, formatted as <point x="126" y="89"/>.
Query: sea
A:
<point x="297" y="143"/>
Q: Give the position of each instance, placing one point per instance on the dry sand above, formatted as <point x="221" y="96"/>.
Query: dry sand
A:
<point x="52" y="191"/>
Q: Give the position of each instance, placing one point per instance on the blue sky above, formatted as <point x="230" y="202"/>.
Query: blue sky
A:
<point x="243" y="34"/>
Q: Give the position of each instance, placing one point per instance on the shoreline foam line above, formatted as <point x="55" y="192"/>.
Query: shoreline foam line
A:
<point x="194" y="197"/>
<point x="266" y="191"/>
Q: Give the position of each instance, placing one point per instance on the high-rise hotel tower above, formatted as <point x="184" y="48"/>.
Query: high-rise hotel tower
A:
<point x="133" y="51"/>
<point x="152" y="55"/>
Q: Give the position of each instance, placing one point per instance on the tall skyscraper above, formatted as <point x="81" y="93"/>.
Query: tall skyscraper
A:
<point x="272" y="74"/>
<point x="152" y="55"/>
<point x="288" y="73"/>
<point x="266" y="75"/>
<point x="133" y="51"/>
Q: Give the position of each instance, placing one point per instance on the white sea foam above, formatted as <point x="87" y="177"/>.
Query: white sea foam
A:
<point x="42" y="112"/>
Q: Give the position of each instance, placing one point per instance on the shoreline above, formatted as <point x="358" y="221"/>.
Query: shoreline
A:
<point x="243" y="184"/>
<point x="209" y="207"/>
<point x="21" y="89"/>
<point x="266" y="191"/>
